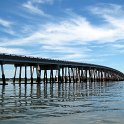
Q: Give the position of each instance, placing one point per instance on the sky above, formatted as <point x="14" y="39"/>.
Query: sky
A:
<point x="90" y="31"/>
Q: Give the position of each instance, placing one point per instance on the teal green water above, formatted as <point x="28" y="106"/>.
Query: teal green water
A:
<point x="67" y="103"/>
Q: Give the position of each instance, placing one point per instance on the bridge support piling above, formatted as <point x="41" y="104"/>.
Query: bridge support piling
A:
<point x="25" y="74"/>
<point x="38" y="72"/>
<point x="94" y="76"/>
<point x="74" y="72"/>
<point x="98" y="75"/>
<point x="78" y="75"/>
<point x="89" y="75"/>
<point x="86" y="78"/>
<point x="102" y="78"/>
<point x="108" y="76"/>
<point x="3" y="75"/>
<point x="31" y="72"/>
<point x="50" y="75"/>
<point x="91" y="72"/>
<point x="62" y="74"/>
<point x="58" y="75"/>
<point x="65" y="74"/>
<point x="55" y="78"/>
<point x="20" y="71"/>
<point x="69" y="73"/>
<point x="82" y="75"/>
<point x="45" y="76"/>
<point x="105" y="77"/>
<point x="72" y="69"/>
<point x="15" y="74"/>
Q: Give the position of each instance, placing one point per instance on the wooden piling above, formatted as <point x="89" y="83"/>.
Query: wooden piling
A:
<point x="52" y="75"/>
<point x="58" y="75"/>
<point x="69" y="73"/>
<point x="38" y="72"/>
<point x="20" y="74"/>
<point x="63" y="75"/>
<point x="86" y="78"/>
<point x="25" y="74"/>
<point x="31" y="73"/>
<point x="14" y="74"/>
<point x="3" y="75"/>
<point x="45" y="76"/>
<point x="72" y="74"/>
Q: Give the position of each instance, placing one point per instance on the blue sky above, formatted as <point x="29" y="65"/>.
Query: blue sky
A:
<point x="90" y="31"/>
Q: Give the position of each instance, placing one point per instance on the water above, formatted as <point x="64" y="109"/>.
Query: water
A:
<point x="69" y="103"/>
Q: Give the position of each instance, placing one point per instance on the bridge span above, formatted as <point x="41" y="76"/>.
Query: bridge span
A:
<point x="49" y="70"/>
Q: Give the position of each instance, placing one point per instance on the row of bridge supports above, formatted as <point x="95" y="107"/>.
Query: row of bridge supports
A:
<point x="60" y="74"/>
<point x="67" y="74"/>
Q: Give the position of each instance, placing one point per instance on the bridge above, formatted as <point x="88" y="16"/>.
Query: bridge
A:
<point x="49" y="70"/>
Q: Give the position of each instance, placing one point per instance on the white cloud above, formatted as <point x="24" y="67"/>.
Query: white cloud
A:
<point x="6" y="26"/>
<point x="104" y="10"/>
<point x="43" y="1"/>
<point x="5" y="23"/>
<point x="67" y="52"/>
<point x="111" y="13"/>
<point x="12" y="50"/>
<point x="66" y="49"/>
<point x="118" y="46"/>
<point x="32" y="7"/>
<point x="76" y="29"/>
<point x="9" y="31"/>
<point x="74" y="56"/>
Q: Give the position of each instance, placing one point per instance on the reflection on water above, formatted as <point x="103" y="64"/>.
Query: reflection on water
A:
<point x="96" y="102"/>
